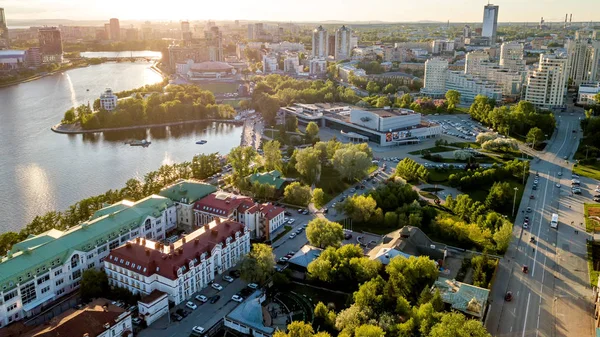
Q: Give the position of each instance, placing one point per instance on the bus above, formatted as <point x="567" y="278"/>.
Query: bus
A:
<point x="554" y="221"/>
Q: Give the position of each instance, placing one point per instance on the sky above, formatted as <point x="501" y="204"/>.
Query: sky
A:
<point x="305" y="10"/>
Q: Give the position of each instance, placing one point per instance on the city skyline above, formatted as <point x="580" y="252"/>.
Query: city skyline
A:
<point x="456" y="11"/>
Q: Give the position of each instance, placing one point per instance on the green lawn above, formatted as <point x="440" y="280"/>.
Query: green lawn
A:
<point x="590" y="170"/>
<point x="219" y="88"/>
<point x="428" y="195"/>
<point x="481" y="160"/>
<point x="591" y="226"/>
<point x="464" y="145"/>
<point x="435" y="149"/>
<point x="593" y="259"/>
<point x="440" y="176"/>
<point x="330" y="182"/>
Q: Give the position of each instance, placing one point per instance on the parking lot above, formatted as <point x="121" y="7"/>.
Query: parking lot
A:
<point x="459" y="126"/>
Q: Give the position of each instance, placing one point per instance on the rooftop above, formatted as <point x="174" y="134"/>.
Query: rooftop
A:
<point x="187" y="191"/>
<point x="305" y="256"/>
<point x="153" y="296"/>
<point x="222" y="203"/>
<point x="149" y="257"/>
<point x="94" y="319"/>
<point x="211" y="66"/>
<point x="53" y="247"/>
<point x="250" y="313"/>
<point x="464" y="297"/>
<point x="12" y="53"/>
<point x="272" y="178"/>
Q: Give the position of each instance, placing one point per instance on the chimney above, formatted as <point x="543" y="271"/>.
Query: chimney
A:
<point x="106" y="325"/>
<point x="214" y="232"/>
<point x="183" y="240"/>
<point x="217" y="220"/>
<point x="196" y="241"/>
<point x="105" y="308"/>
<point x="128" y="244"/>
<point x="157" y="245"/>
<point x="137" y="240"/>
<point x="207" y="227"/>
<point x="171" y="247"/>
<point x="143" y="242"/>
<point x="147" y="251"/>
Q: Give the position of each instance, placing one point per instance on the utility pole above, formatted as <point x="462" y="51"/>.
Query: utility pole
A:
<point x="515" y="201"/>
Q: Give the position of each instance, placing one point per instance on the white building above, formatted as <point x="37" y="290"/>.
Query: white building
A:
<point x="587" y="92"/>
<point x="475" y="62"/>
<point x="343" y="46"/>
<point x="270" y="64"/>
<point x="511" y="56"/>
<point x="184" y="194"/>
<point x="490" y="22"/>
<point x="441" y="46"/>
<point x="47" y="266"/>
<point x="470" y="86"/>
<point x="353" y="41"/>
<point x="546" y="86"/>
<point x="153" y="306"/>
<point x="182" y="268"/>
<point x="435" y="77"/>
<point x="291" y="64"/>
<point x="285" y="46"/>
<point x="320" y="47"/>
<point x="108" y="100"/>
<point x="317" y="66"/>
<point x="583" y="58"/>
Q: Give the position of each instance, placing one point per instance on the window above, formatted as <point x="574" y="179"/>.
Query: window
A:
<point x="58" y="272"/>
<point x="75" y="261"/>
<point x="45" y="289"/>
<point x="102" y="249"/>
<point x="113" y="244"/>
<point x="147" y="224"/>
<point x="11" y="307"/>
<point x="59" y="282"/>
<point x="76" y="274"/>
<point x="90" y="256"/>
<point x="91" y="265"/>
<point x="28" y="293"/>
<point x="10" y="295"/>
<point x="60" y="291"/>
<point x="43" y="279"/>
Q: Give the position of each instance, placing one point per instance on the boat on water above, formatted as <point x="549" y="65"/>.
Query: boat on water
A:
<point x="201" y="142"/>
<point x="142" y="142"/>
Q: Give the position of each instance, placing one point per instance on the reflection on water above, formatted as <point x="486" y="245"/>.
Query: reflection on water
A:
<point x="42" y="171"/>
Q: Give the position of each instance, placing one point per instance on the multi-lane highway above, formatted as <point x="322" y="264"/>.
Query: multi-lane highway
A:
<point x="554" y="297"/>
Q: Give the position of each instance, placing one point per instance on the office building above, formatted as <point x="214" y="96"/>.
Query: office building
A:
<point x="108" y="100"/>
<point x="181" y="268"/>
<point x="115" y="29"/>
<point x="546" y="86"/>
<point x="583" y="56"/>
<point x="12" y="59"/>
<point x="343" y="48"/>
<point x="51" y="47"/>
<point x="100" y="318"/>
<point x="587" y="93"/>
<point x="511" y="56"/>
<point x="475" y="62"/>
<point x="320" y="46"/>
<point x="197" y="52"/>
<point x="282" y="47"/>
<point x="395" y="54"/>
<point x="47" y="266"/>
<point x="490" y="22"/>
<point x="434" y="83"/>
<point x="33" y="57"/>
<point x="4" y="39"/>
<point x="331" y="44"/>
<point x="353" y="41"/>
<point x="132" y="34"/>
<point x="317" y="67"/>
<point x="270" y="64"/>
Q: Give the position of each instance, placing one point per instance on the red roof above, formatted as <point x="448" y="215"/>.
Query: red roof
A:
<point x="223" y="204"/>
<point x="153" y="296"/>
<point x="270" y="211"/>
<point x="148" y="257"/>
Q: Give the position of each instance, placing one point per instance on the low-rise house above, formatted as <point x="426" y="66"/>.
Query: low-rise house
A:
<point x="153" y="306"/>
<point x="272" y="178"/>
<point x="249" y="319"/>
<point x="466" y="298"/>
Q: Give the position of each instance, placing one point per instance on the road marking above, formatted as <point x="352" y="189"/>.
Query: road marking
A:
<point x="540" y="227"/>
<point x="543" y="274"/>
<point x="526" y="312"/>
<point x="511" y="328"/>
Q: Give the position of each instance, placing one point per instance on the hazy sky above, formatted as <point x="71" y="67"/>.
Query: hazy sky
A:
<point x="305" y="10"/>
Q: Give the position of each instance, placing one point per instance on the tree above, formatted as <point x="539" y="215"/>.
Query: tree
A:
<point x="268" y="107"/>
<point x="535" y="136"/>
<point x="308" y="164"/>
<point x="383" y="101"/>
<point x="296" y="329"/>
<point x="318" y="197"/>
<point x="368" y="330"/>
<point x="257" y="266"/>
<point x="457" y="325"/>
<point x="351" y="163"/>
<point x="323" y="233"/>
<point x="241" y="158"/>
<point x="372" y="88"/>
<point x="404" y="101"/>
<point x="500" y="196"/>
<point x="453" y="98"/>
<point x="411" y="170"/>
<point x="291" y="123"/>
<point x="297" y="194"/>
<point x="94" y="284"/>
<point x="389" y="89"/>
<point x="503" y="236"/>
<point x="312" y="131"/>
<point x="363" y="209"/>
<point x="272" y="155"/>
<point x="463" y="154"/>
<point x="69" y="116"/>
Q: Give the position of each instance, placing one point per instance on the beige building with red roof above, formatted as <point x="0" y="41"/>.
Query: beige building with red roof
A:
<point x="257" y="217"/>
<point x="183" y="267"/>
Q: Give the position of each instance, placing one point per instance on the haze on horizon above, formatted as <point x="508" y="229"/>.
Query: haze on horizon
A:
<point x="307" y="11"/>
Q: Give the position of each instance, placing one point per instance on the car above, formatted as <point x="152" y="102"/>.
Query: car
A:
<point x="535" y="181"/>
<point x="525" y="225"/>
<point x="176" y="317"/>
<point x="342" y="199"/>
<point x="291" y="221"/>
<point x="574" y="176"/>
<point x="528" y="209"/>
<point x="289" y="256"/>
<point x="565" y="157"/>
<point x="132" y="308"/>
<point x="182" y="313"/>
<point x="237" y="298"/>
<point x="352" y="190"/>
<point x="252" y="285"/>
<point x="532" y="197"/>
<point x="526" y="219"/>
<point x="597" y="190"/>
<point x="136" y="320"/>
<point x="305" y="212"/>
<point x="234" y="273"/>
<point x="228" y="278"/>
<point x="191" y="305"/>
<point x="300" y="210"/>
<point x="597" y="199"/>
<point x="347" y="236"/>
<point x="299" y="230"/>
<point x="534" y="187"/>
<point x="198" y="329"/>
<point x="214" y="299"/>
<point x="283" y="259"/>
<point x="508" y="297"/>
<point x="557" y="185"/>
<point x="287" y="213"/>
<point x="217" y="286"/>
<point x="201" y="298"/>
<point x="577" y="191"/>
<point x="597" y="196"/>
<point x="559" y="174"/>
<point x="293" y="235"/>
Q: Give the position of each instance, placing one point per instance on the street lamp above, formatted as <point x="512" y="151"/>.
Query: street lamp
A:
<point x="515" y="201"/>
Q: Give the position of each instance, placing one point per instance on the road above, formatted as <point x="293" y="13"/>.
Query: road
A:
<point x="554" y="297"/>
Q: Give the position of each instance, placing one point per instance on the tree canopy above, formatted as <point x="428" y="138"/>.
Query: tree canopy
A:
<point x="258" y="265"/>
<point x="323" y="233"/>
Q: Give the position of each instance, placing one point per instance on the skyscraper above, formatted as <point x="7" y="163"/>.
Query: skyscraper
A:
<point x="51" y="46"/>
<point x="467" y="32"/>
<point x="511" y="56"/>
<point x="490" y="22"/>
<point x="547" y="85"/>
<point x="186" y="34"/>
<point x="3" y="30"/>
<point x="475" y="61"/>
<point x="319" y="43"/>
<point x="214" y="39"/>
<point x="436" y="70"/>
<point x="115" y="29"/>
<point x="583" y="53"/>
<point x="343" y="47"/>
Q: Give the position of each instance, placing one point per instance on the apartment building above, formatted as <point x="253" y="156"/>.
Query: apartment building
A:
<point x="546" y="86"/>
<point x="270" y="64"/>
<point x="343" y="47"/>
<point x="184" y="195"/>
<point x="583" y="56"/>
<point x="182" y="268"/>
<point x="435" y="77"/>
<point x="320" y="46"/>
<point x="511" y="56"/>
<point x="45" y="267"/>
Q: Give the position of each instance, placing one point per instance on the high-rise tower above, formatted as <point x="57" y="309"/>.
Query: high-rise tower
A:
<point x="490" y="22"/>
<point x="320" y="47"/>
